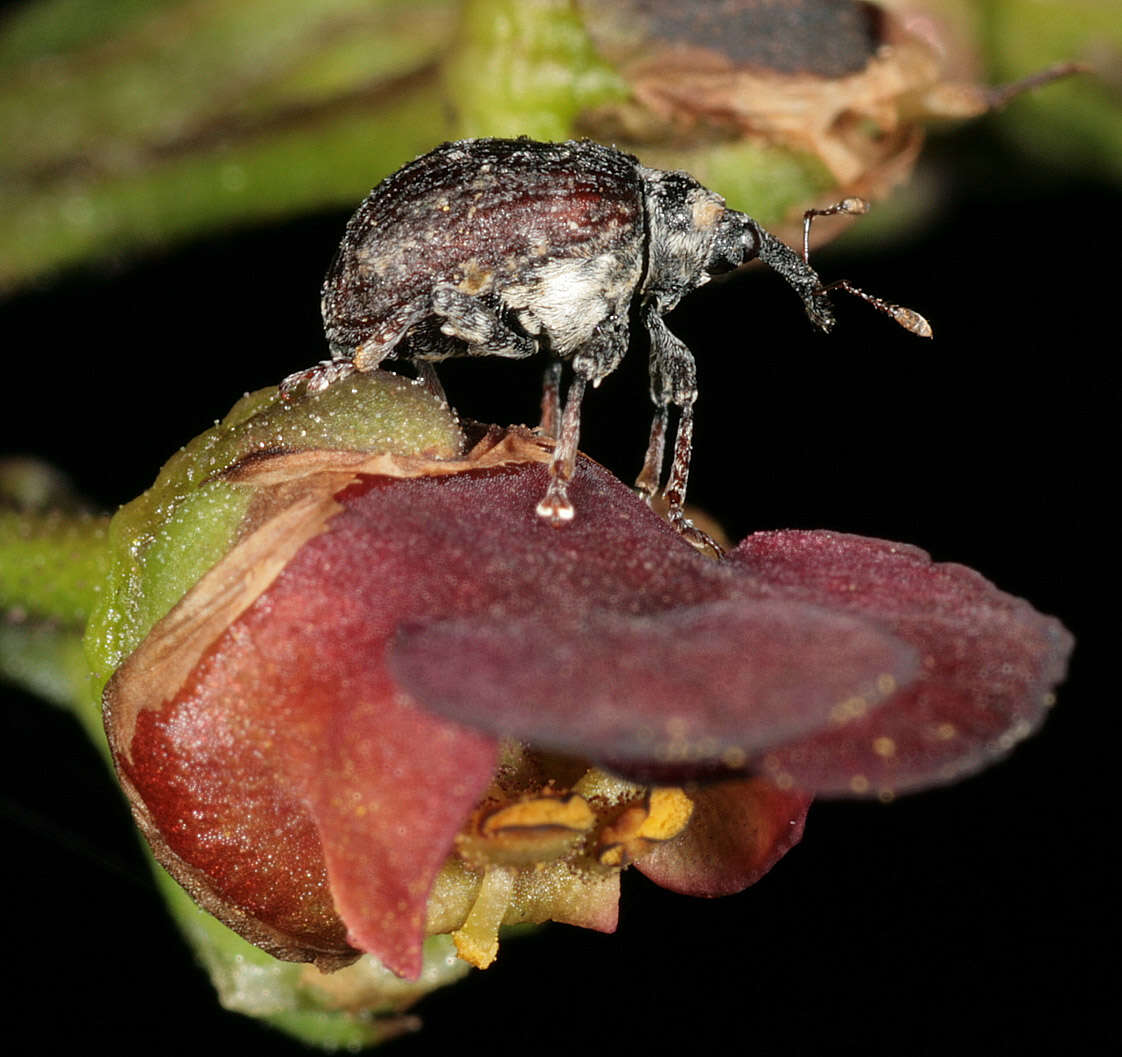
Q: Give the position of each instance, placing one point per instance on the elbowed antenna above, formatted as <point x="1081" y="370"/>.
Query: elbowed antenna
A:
<point x="799" y="275"/>
<point x="804" y="280"/>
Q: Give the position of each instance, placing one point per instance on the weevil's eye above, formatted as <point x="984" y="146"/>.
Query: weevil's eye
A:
<point x="737" y="241"/>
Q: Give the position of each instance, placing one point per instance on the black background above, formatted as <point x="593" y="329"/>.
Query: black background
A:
<point x="979" y="919"/>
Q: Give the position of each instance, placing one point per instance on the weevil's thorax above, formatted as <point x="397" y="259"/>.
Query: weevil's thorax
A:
<point x="683" y="222"/>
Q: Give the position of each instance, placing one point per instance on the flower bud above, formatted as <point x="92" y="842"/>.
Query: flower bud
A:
<point x="395" y="703"/>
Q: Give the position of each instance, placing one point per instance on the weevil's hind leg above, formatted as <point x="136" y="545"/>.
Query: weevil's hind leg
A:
<point x="550" y="425"/>
<point x="317" y="378"/>
<point x="555" y="505"/>
<point x="426" y="376"/>
<point x="674" y="381"/>
<point x="649" y="480"/>
<point x="349" y="357"/>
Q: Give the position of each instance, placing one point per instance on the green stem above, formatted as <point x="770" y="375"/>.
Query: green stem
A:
<point x="52" y="565"/>
<point x="525" y="68"/>
<point x="194" y="115"/>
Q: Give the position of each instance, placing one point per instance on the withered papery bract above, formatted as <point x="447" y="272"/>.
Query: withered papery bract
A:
<point x="393" y="728"/>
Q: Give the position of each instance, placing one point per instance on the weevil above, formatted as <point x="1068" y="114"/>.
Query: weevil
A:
<point x="509" y="247"/>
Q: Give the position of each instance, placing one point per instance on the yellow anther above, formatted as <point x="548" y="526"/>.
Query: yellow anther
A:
<point x="662" y="816"/>
<point x="537" y="829"/>
<point x="569" y="812"/>
<point x="670" y="809"/>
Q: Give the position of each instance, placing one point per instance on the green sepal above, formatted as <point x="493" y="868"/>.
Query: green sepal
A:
<point x="161" y="543"/>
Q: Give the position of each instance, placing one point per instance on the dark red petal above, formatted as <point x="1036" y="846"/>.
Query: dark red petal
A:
<point x="989" y="661"/>
<point x="738" y="831"/>
<point x="214" y="811"/>
<point x="722" y="680"/>
<point x="612" y="638"/>
<point x="289" y="725"/>
<point x="389" y="785"/>
<point x="294" y="700"/>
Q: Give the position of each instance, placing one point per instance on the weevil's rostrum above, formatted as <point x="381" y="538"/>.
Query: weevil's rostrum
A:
<point x="497" y="247"/>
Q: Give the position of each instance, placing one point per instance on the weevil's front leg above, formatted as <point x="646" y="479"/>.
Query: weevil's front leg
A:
<point x="597" y="359"/>
<point x="673" y="381"/>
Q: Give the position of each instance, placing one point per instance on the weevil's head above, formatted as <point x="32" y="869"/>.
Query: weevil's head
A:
<point x="739" y="239"/>
<point x="692" y="236"/>
<point x="683" y="226"/>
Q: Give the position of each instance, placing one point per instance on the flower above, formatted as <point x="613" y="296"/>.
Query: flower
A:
<point x="400" y="704"/>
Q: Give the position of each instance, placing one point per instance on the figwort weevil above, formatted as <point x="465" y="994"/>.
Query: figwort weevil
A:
<point x="500" y="247"/>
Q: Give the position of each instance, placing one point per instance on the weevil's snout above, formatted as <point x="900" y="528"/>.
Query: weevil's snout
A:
<point x="799" y="275"/>
<point x="739" y="239"/>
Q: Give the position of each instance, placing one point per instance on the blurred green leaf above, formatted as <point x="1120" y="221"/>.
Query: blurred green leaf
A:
<point x="178" y="118"/>
<point x="1075" y="124"/>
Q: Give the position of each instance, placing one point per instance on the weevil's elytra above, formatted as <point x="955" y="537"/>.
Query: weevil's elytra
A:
<point x="494" y="247"/>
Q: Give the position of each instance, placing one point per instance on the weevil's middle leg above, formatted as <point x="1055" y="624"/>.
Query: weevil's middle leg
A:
<point x="550" y="425"/>
<point x="592" y="363"/>
<point x="478" y="325"/>
<point x="555" y="504"/>
<point x="649" y="480"/>
<point x="673" y="381"/>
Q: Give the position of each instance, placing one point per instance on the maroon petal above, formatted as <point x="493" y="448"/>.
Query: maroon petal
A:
<point x="281" y="777"/>
<point x="386" y="808"/>
<point x="738" y="831"/>
<point x="211" y="808"/>
<point x="989" y="662"/>
<point x="293" y="700"/>
<point x="718" y="681"/>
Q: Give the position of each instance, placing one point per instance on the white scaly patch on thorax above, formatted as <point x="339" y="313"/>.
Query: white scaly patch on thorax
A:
<point x="567" y="298"/>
